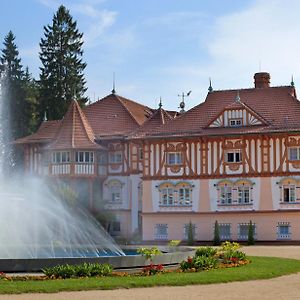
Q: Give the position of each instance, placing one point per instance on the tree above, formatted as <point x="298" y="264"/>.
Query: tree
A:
<point x="251" y="240"/>
<point x="190" y="234"/>
<point x="216" y="240"/>
<point x="61" y="77"/>
<point x="15" y="96"/>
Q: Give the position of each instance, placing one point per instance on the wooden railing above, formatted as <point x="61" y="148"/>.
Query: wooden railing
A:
<point x="77" y="169"/>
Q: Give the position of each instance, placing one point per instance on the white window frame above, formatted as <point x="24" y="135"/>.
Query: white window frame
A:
<point x="174" y="158"/>
<point x="115" y="193"/>
<point x="283" y="235"/>
<point x="226" y="195"/>
<point x="291" y="193"/>
<point x="84" y="157"/>
<point x="244" y="237"/>
<point x="58" y="157"/>
<point x="161" y="232"/>
<point x="296" y="155"/>
<point x="244" y="194"/>
<point x="167" y="196"/>
<point x="115" y="157"/>
<point x="235" y="122"/>
<point x="225" y="236"/>
<point x="184" y="196"/>
<point x="237" y="156"/>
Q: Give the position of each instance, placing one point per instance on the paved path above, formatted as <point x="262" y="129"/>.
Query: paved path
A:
<point x="285" y="287"/>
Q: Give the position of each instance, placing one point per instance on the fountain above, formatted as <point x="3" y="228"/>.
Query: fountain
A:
<point x="38" y="230"/>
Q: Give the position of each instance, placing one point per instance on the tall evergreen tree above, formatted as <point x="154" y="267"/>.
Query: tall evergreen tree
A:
<point x="15" y="94"/>
<point x="61" y="77"/>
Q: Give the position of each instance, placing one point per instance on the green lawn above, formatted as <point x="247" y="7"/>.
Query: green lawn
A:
<point x="260" y="268"/>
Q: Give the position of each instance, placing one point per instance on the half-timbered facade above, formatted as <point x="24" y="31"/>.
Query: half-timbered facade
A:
<point x="233" y="158"/>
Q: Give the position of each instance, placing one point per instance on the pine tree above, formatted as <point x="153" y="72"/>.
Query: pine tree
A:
<point x="61" y="77"/>
<point x="216" y="240"/>
<point x="15" y="92"/>
<point x="190" y="234"/>
<point x="251" y="240"/>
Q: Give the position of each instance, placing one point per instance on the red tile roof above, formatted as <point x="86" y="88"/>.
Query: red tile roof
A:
<point x="44" y="134"/>
<point x="115" y="115"/>
<point x="75" y="131"/>
<point x="277" y="106"/>
<point x="159" y="117"/>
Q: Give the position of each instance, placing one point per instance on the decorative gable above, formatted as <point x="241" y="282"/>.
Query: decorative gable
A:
<point x="237" y="115"/>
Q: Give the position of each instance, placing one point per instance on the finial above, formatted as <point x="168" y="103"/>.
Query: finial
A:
<point x="292" y="81"/>
<point x="210" y="89"/>
<point x="238" y="98"/>
<point x="182" y="103"/>
<point x="45" y="119"/>
<point x="113" y="91"/>
<point x="160" y="103"/>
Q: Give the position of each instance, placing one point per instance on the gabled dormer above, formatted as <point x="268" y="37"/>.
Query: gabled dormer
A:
<point x="237" y="114"/>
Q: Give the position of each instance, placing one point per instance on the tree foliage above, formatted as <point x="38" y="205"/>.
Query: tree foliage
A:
<point x="216" y="240"/>
<point x="61" y="77"/>
<point x="251" y="240"/>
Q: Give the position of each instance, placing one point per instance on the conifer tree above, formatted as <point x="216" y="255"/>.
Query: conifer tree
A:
<point x="15" y="94"/>
<point x="61" y="77"/>
<point x="190" y="234"/>
<point x="216" y="240"/>
<point x="251" y="240"/>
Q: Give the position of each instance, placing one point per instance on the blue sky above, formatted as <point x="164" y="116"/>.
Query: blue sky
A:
<point x="161" y="48"/>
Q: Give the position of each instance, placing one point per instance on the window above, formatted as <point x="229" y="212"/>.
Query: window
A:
<point x="116" y="226"/>
<point x="115" y="157"/>
<point x="186" y="230"/>
<point x="167" y="196"/>
<point x="294" y="153"/>
<point x="289" y="193"/>
<point x="283" y="230"/>
<point x="175" y="195"/>
<point x="140" y="153"/>
<point x="235" y="122"/>
<point x="184" y="196"/>
<point x="60" y="157"/>
<point x="115" y="193"/>
<point x="243" y="230"/>
<point x="225" y="195"/>
<point x="234" y="156"/>
<point x="225" y="231"/>
<point x="161" y="231"/>
<point x="243" y="195"/>
<point x="84" y="157"/>
<point x="174" y="158"/>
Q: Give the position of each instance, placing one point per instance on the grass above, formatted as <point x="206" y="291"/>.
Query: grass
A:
<point x="260" y="268"/>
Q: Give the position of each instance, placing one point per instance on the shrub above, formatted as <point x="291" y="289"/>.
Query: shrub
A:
<point x="216" y="240"/>
<point x="148" y="253"/>
<point x="187" y="264"/>
<point x="83" y="270"/>
<point x="230" y="253"/>
<point x="251" y="240"/>
<point x="206" y="251"/>
<point x="205" y="263"/>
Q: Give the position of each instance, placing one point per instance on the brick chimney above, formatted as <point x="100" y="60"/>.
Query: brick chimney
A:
<point x="261" y="80"/>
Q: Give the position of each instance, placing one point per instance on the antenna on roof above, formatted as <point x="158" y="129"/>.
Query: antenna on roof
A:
<point x="292" y="81"/>
<point x="182" y="103"/>
<point x="210" y="89"/>
<point x="238" y="98"/>
<point x="160" y="103"/>
<point x="113" y="91"/>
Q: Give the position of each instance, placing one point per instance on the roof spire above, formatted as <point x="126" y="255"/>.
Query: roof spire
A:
<point x="210" y="89"/>
<point x="292" y="81"/>
<point x="45" y="119"/>
<point x="113" y="91"/>
<point x="238" y="98"/>
<point x="160" y="103"/>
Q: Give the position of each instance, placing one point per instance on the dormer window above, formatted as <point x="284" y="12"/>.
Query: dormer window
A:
<point x="235" y="122"/>
<point x="234" y="156"/>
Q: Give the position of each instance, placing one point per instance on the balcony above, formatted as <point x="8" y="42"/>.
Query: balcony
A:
<point x="77" y="169"/>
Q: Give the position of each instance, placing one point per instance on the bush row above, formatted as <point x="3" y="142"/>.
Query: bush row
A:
<point x="83" y="270"/>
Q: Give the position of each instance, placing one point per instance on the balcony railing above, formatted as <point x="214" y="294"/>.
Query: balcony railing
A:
<point x="77" y="169"/>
